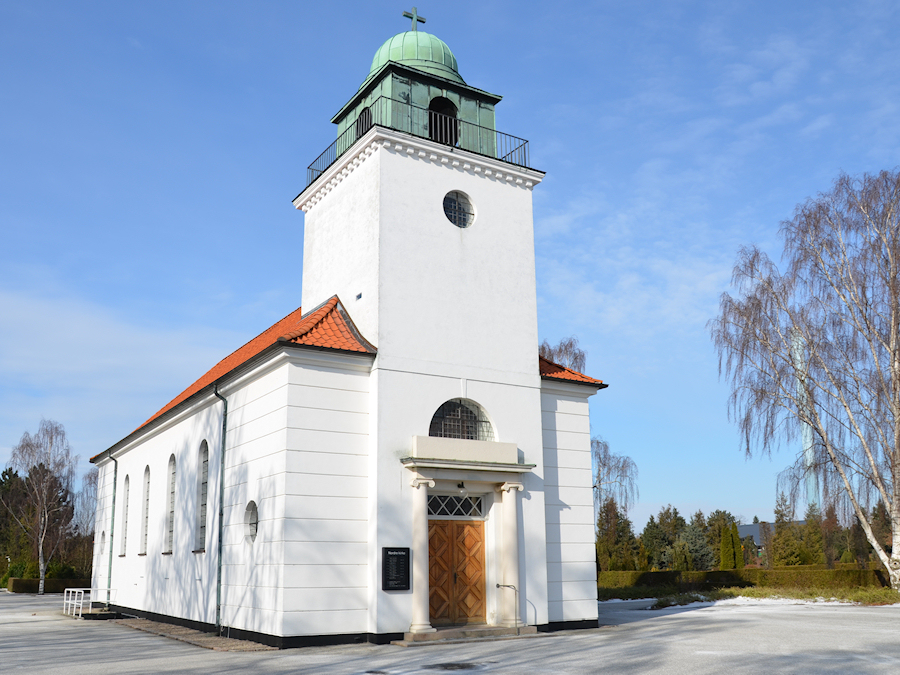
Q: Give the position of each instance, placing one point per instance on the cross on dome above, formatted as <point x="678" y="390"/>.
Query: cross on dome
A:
<point x="416" y="19"/>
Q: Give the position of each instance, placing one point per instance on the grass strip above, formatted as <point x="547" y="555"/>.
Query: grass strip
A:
<point x="862" y="596"/>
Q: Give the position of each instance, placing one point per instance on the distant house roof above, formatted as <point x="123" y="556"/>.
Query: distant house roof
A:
<point x="554" y="371"/>
<point x="752" y="530"/>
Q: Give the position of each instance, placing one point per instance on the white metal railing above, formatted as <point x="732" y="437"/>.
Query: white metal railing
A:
<point x="74" y="599"/>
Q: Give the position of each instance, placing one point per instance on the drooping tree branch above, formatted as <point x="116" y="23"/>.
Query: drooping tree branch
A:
<point x="615" y="475"/>
<point x="44" y="508"/>
<point x="818" y="344"/>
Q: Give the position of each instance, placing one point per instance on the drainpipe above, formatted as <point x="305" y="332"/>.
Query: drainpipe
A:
<point x="112" y="527"/>
<point x="221" y="512"/>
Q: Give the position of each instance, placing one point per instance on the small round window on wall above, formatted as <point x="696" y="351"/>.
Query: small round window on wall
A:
<point x="251" y="522"/>
<point x="458" y="208"/>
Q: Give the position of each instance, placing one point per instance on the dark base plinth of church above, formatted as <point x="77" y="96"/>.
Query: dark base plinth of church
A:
<point x="296" y="641"/>
<point x="278" y="641"/>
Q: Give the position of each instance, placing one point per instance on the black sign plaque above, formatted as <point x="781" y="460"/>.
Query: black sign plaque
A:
<point x="394" y="569"/>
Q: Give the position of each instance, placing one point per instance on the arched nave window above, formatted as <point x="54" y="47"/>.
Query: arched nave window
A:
<point x="461" y="418"/>
<point x="170" y="520"/>
<point x="125" y="516"/>
<point x="202" y="492"/>
<point x="145" y="511"/>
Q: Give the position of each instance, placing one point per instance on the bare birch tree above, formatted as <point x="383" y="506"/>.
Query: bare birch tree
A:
<point x="615" y="475"/>
<point x="819" y="345"/>
<point x="79" y="544"/>
<point x="44" y="510"/>
<point x="567" y="353"/>
<point x="86" y="503"/>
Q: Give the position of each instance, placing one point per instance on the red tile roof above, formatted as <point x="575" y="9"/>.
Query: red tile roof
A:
<point x="553" y="371"/>
<point x="326" y="327"/>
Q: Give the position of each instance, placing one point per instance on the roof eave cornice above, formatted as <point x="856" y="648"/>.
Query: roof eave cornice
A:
<point x="378" y="138"/>
<point x="565" y="382"/>
<point x="394" y="66"/>
<point x="225" y="380"/>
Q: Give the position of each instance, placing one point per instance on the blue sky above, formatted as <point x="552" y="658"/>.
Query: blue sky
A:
<point x="149" y="153"/>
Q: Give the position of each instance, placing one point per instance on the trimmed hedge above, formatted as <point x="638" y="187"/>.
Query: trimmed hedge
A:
<point x="783" y="578"/>
<point x="50" y="585"/>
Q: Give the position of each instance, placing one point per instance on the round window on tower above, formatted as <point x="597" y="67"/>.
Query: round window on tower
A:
<point x="458" y="208"/>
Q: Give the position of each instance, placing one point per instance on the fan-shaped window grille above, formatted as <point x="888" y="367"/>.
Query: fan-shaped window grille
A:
<point x="460" y="418"/>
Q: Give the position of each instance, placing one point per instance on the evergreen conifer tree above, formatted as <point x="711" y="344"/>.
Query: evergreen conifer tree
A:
<point x="786" y="544"/>
<point x="813" y="549"/>
<point x="654" y="542"/>
<point x="726" y="551"/>
<point x="738" y="549"/>
<point x="881" y="525"/>
<point x="681" y="557"/>
<point x="751" y="555"/>
<point x="616" y="544"/>
<point x="715" y="526"/>
<point x="700" y="552"/>
<point x="831" y="530"/>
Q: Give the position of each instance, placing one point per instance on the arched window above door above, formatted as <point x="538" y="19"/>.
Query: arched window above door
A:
<point x="461" y="418"/>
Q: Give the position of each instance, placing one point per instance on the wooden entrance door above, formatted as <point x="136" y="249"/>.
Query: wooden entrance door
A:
<point x="456" y="571"/>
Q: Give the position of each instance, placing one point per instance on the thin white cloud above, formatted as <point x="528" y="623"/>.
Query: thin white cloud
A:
<point x="774" y="69"/>
<point x="96" y="372"/>
<point x="818" y="125"/>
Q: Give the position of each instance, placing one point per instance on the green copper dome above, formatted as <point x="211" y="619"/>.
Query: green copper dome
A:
<point x="421" y="51"/>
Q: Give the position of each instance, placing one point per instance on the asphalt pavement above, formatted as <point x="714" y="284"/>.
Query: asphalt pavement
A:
<point x="734" y="637"/>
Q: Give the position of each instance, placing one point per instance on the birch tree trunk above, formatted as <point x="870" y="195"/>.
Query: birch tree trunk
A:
<point x="818" y="346"/>
<point x="44" y="511"/>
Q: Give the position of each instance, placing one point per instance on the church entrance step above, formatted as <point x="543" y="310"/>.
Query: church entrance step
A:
<point x="459" y="634"/>
<point x="100" y="615"/>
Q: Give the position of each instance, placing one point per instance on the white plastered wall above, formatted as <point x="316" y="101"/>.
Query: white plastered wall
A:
<point x="181" y="584"/>
<point x="326" y="503"/>
<point x="571" y="557"/>
<point x="297" y="445"/>
<point x="255" y="463"/>
<point x="412" y="399"/>
<point x="452" y="312"/>
<point x="435" y="298"/>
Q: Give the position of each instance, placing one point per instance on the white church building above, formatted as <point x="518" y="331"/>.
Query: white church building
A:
<point x="395" y="457"/>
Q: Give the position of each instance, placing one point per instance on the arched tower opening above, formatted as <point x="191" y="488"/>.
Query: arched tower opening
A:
<point x="443" y="125"/>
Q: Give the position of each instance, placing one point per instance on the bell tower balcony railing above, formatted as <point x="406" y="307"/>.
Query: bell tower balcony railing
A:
<point x="423" y="123"/>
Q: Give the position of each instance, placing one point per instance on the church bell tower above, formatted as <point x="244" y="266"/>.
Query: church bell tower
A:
<point x="419" y="216"/>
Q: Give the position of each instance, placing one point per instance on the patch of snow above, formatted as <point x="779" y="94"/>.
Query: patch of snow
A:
<point x="741" y="600"/>
<point x="698" y="603"/>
